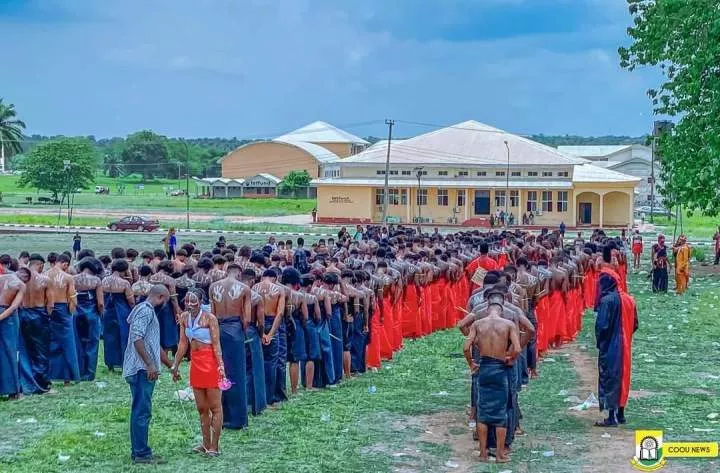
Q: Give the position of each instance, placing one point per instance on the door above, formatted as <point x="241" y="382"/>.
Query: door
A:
<point x="585" y="213"/>
<point x="482" y="202"/>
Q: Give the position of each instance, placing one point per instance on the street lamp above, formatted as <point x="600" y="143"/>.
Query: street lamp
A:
<point x="187" y="185"/>
<point x="419" y="171"/>
<point x="507" y="182"/>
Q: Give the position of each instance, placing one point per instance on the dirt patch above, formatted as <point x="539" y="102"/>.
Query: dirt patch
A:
<point x="641" y="393"/>
<point x="605" y="453"/>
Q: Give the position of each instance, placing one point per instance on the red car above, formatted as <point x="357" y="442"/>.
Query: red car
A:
<point x="138" y="224"/>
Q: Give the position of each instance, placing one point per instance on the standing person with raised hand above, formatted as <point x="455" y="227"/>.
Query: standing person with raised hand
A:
<point x="90" y="304"/>
<point x="63" y="350"/>
<point x="199" y="329"/>
<point x="231" y="303"/>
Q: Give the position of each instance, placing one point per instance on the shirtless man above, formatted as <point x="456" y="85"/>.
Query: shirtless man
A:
<point x="273" y="308"/>
<point x="498" y="344"/>
<point x="296" y="315"/>
<point x="35" y="329"/>
<point x="218" y="271"/>
<point x="141" y="288"/>
<point x="231" y="303"/>
<point x="90" y="306"/>
<point x="255" y="365"/>
<point x="119" y="301"/>
<point x="63" y="351"/>
<point x="12" y="291"/>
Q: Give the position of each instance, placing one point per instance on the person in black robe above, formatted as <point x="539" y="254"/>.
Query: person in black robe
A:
<point x="608" y="333"/>
<point x="660" y="266"/>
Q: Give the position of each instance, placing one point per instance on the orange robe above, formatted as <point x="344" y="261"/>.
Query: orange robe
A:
<point x="411" y="315"/>
<point x="372" y="350"/>
<point x="628" y="327"/>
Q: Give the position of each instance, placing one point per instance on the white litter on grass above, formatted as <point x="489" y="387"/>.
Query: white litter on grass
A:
<point x="185" y="394"/>
<point x="99" y="434"/>
<point x="399" y="454"/>
<point x="101" y="384"/>
<point x="441" y="393"/>
<point x="372" y="389"/>
<point x="649" y="360"/>
<point x="588" y="403"/>
<point x="716" y="344"/>
<point x="29" y="420"/>
<point x="549" y="453"/>
<point x="63" y="458"/>
<point x="325" y="417"/>
<point x="703" y="430"/>
<point x="563" y="392"/>
<point x="713" y="415"/>
<point x="472" y="424"/>
<point x="506" y="471"/>
<point x="534" y="452"/>
<point x="583" y="347"/>
<point x="670" y="327"/>
<point x="450" y="464"/>
<point x="568" y="443"/>
<point x="606" y="435"/>
<point x="683" y="355"/>
<point x="549" y="360"/>
<point x="574" y="399"/>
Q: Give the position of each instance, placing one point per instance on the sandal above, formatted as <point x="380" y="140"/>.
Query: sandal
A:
<point x="212" y="453"/>
<point x="199" y="449"/>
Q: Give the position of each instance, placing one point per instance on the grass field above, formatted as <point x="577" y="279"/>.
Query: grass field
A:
<point x="155" y="196"/>
<point x="414" y="419"/>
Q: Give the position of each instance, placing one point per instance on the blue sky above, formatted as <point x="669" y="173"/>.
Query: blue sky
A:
<point x="255" y="68"/>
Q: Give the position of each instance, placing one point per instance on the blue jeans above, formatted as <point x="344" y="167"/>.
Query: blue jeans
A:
<point x="141" y="390"/>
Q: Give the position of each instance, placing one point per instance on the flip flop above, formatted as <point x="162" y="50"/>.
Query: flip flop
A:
<point x="199" y="449"/>
<point x="212" y="453"/>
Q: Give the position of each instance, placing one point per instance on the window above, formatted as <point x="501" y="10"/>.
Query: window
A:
<point x="481" y="174"/>
<point x="532" y="173"/>
<point x="379" y="196"/>
<point x="463" y="174"/>
<point x="563" y="174"/>
<point x="406" y="173"/>
<point x="380" y="172"/>
<point x="547" y="201"/>
<point x="422" y="197"/>
<point x="422" y="173"/>
<point x="500" y="173"/>
<point x="532" y="201"/>
<point x="499" y="198"/>
<point x="461" y="198"/>
<point x="515" y="174"/>
<point x="442" y="197"/>
<point x="403" y="196"/>
<point x="514" y="198"/>
<point x="442" y="173"/>
<point x="394" y="196"/>
<point x="562" y="201"/>
<point x="355" y="149"/>
<point x="394" y="172"/>
<point x="547" y="173"/>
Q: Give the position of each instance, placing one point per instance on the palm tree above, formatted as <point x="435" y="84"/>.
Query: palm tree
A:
<point x="11" y="132"/>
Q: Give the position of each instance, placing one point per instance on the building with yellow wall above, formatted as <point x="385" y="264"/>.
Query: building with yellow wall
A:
<point x="464" y="173"/>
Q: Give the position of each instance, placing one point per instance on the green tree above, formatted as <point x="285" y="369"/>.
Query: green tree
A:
<point x="11" y="132"/>
<point x="59" y="166"/>
<point x="113" y="165"/>
<point x="294" y="181"/>
<point x="146" y="153"/>
<point x="681" y="38"/>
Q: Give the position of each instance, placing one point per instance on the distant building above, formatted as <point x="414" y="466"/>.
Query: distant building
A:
<point x="464" y="173"/>
<point x="634" y="160"/>
<point x="266" y="163"/>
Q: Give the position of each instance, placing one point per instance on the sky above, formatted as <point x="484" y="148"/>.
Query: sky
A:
<point x="258" y="68"/>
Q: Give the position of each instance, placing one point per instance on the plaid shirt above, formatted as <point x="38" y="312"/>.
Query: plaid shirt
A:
<point x="144" y="326"/>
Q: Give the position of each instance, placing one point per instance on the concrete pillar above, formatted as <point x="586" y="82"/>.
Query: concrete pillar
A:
<point x="602" y="210"/>
<point x="408" y="216"/>
<point x="573" y="212"/>
<point x="521" y="209"/>
<point x="631" y="216"/>
<point x="467" y="202"/>
<point x="226" y="192"/>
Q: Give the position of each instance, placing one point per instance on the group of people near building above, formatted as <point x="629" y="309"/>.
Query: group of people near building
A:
<point x="250" y="319"/>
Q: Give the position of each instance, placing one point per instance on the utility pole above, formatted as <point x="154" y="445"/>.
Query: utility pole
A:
<point x="419" y="171"/>
<point x="187" y="185"/>
<point x="507" y="182"/>
<point x="386" y="196"/>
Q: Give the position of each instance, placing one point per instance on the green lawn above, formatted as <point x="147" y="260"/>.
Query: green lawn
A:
<point x="155" y="196"/>
<point x="413" y="421"/>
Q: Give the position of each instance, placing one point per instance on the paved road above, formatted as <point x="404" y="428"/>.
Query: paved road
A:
<point x="161" y="215"/>
<point x="14" y="229"/>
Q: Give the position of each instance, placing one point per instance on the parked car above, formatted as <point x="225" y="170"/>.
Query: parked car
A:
<point x="138" y="224"/>
<point x="177" y="192"/>
<point x="102" y="190"/>
<point x="657" y="211"/>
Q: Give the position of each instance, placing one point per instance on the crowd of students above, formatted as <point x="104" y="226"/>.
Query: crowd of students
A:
<point x="253" y="318"/>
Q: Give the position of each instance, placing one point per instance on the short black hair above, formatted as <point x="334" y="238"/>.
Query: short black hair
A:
<point x="119" y="265"/>
<point x="166" y="266"/>
<point x="24" y="254"/>
<point x="205" y="263"/>
<point x="52" y="257"/>
<point x="93" y="264"/>
<point x="131" y="253"/>
<point x="300" y="241"/>
<point x="290" y="276"/>
<point x="5" y="260"/>
<point x="118" y="253"/>
<point x="160" y="254"/>
<point x="63" y="258"/>
<point x="146" y="254"/>
<point x="145" y="270"/>
<point x="217" y="259"/>
<point x="331" y="279"/>
<point x="105" y="260"/>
